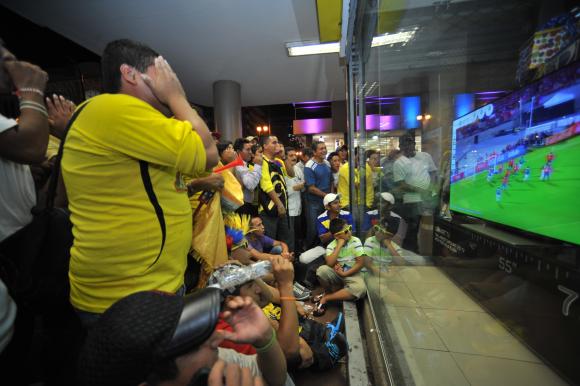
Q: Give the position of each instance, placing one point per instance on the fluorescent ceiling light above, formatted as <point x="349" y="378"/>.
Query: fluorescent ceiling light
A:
<point x="312" y="48"/>
<point x="400" y="37"/>
<point x="315" y="48"/>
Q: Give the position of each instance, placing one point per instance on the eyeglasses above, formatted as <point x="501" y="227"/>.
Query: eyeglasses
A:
<point x="378" y="228"/>
<point x="347" y="228"/>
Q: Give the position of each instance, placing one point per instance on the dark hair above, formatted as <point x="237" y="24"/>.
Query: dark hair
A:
<point x="266" y="139"/>
<point x="307" y="152"/>
<point x="222" y="146"/>
<point x="256" y="147"/>
<point x="314" y="146"/>
<point x="239" y="144"/>
<point x="123" y="51"/>
<point x="370" y="152"/>
<point x="343" y="147"/>
<point x="288" y="149"/>
<point x="336" y="225"/>
<point x="329" y="157"/>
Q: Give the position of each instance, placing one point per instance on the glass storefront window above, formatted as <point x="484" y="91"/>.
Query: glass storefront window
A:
<point x="459" y="111"/>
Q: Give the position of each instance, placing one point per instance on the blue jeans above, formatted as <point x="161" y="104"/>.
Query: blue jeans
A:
<point x="314" y="209"/>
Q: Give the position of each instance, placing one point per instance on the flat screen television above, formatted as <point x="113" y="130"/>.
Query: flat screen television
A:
<point x="516" y="161"/>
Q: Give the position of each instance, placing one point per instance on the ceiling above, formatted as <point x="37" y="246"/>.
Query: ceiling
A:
<point x="207" y="40"/>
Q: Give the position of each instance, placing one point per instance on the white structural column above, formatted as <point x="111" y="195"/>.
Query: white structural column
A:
<point x="227" y="102"/>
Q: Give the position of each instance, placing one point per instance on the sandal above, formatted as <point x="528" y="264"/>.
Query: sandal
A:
<point x="318" y="297"/>
<point x="319" y="310"/>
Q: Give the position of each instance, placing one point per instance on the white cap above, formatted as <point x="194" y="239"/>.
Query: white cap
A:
<point x="250" y="138"/>
<point x="388" y="197"/>
<point x="330" y="197"/>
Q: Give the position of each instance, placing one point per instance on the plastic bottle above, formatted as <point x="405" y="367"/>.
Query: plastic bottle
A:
<point x="233" y="275"/>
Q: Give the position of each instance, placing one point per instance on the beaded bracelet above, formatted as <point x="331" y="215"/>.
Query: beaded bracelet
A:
<point x="30" y="89"/>
<point x="30" y="107"/>
<point x="268" y="345"/>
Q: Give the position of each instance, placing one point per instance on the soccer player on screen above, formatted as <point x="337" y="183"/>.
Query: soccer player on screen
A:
<point x="489" y="176"/>
<point x="505" y="181"/>
<point x="526" y="173"/>
<point x="498" y="194"/>
<point x="549" y="158"/>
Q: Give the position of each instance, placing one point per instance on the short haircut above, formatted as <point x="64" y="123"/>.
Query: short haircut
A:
<point x="266" y="139"/>
<point x="333" y="154"/>
<point x="307" y="152"/>
<point x="336" y="225"/>
<point x="256" y="147"/>
<point x="123" y="51"/>
<point x="288" y="149"/>
<point x="223" y="145"/>
<point x="370" y="152"/>
<point x="343" y="147"/>
<point x="239" y="144"/>
<point x="315" y="145"/>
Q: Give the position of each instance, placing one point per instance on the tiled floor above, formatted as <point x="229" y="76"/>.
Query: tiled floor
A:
<point x="446" y="338"/>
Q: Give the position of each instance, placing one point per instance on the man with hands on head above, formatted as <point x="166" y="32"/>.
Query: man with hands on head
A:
<point x="155" y="338"/>
<point x="123" y="161"/>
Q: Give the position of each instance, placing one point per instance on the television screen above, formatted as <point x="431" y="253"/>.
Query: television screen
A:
<point x="516" y="161"/>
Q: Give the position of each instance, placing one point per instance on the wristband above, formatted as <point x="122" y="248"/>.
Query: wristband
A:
<point x="30" y="89"/>
<point x="268" y="345"/>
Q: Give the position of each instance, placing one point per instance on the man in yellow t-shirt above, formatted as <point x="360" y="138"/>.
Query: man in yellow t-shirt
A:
<point x="122" y="165"/>
<point x="344" y="186"/>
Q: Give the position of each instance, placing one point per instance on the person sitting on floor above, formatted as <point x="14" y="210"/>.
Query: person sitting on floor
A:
<point x="332" y="204"/>
<point x="381" y="249"/>
<point x="158" y="338"/>
<point x="305" y="342"/>
<point x="264" y="247"/>
<point x="341" y="276"/>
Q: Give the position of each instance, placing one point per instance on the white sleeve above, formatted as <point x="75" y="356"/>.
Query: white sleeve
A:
<point x="398" y="171"/>
<point x="6" y="123"/>
<point x="7" y="316"/>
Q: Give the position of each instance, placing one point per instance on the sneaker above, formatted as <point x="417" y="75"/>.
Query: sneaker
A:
<point x="301" y="292"/>
<point x="337" y="347"/>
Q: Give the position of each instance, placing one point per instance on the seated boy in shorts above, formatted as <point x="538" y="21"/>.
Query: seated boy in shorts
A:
<point x="341" y="276"/>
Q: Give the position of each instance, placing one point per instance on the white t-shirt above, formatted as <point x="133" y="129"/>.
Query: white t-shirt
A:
<point x="7" y="316"/>
<point x="294" y="202"/>
<point x="242" y="360"/>
<point x="415" y="172"/>
<point x="17" y="193"/>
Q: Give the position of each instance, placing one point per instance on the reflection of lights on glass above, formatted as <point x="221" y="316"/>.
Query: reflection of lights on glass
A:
<point x="259" y="129"/>
<point x="265" y="128"/>
<point x="419" y="117"/>
<point x="375" y="137"/>
<point x="428" y="116"/>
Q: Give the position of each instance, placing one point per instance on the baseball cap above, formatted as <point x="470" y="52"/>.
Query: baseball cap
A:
<point x="388" y="197"/>
<point x="330" y="197"/>
<point x="140" y="330"/>
<point x="250" y="138"/>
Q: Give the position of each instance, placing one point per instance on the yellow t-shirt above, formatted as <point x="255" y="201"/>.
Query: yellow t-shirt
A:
<point x="343" y="186"/>
<point x="117" y="224"/>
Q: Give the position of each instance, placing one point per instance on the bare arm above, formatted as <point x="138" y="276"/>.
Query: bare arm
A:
<point x="288" y="330"/>
<point x="333" y="257"/>
<point x="314" y="190"/>
<point x="26" y="143"/>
